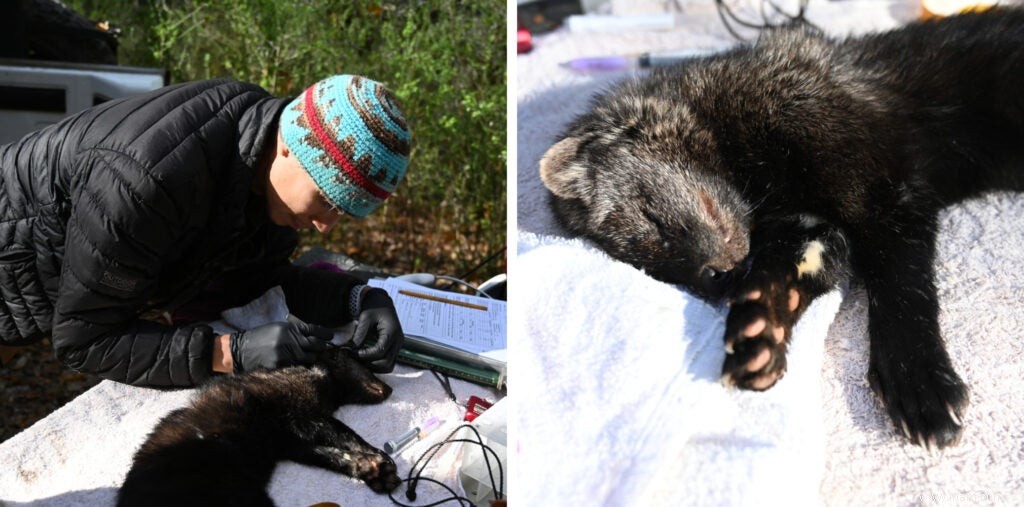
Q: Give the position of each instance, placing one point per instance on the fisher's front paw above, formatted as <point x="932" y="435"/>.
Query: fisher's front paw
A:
<point x="377" y="470"/>
<point x="924" y="396"/>
<point x="758" y="329"/>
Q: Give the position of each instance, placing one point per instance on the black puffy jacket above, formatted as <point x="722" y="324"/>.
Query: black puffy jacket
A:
<point x="135" y="205"/>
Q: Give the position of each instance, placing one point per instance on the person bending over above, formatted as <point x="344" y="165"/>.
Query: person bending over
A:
<point x="186" y="198"/>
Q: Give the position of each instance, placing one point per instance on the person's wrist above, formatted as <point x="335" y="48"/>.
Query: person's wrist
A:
<point x="223" y="362"/>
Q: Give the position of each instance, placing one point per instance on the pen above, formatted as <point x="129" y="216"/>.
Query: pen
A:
<point x="441" y="300"/>
<point x="644" y="60"/>
<point x="416" y="433"/>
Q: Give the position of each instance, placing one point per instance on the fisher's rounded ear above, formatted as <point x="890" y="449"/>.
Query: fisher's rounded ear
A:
<point x="559" y="171"/>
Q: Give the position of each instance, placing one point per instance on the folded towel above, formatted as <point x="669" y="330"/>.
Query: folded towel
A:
<point x="620" y="398"/>
<point x="79" y="454"/>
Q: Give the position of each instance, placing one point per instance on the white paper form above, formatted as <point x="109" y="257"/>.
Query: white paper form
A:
<point x="477" y="325"/>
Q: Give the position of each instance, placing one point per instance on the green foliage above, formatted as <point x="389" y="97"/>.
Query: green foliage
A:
<point x="443" y="60"/>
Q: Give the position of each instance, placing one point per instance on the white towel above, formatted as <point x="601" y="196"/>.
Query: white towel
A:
<point x="619" y="393"/>
<point x="79" y="454"/>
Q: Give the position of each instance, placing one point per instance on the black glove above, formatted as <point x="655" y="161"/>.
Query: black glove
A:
<point x="277" y="345"/>
<point x="377" y="319"/>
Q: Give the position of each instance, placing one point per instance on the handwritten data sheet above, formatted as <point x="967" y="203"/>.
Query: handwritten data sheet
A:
<point x="471" y="323"/>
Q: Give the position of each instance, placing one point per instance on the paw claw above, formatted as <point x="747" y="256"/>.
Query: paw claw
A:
<point x="953" y="415"/>
<point x="929" y="443"/>
<point x="906" y="430"/>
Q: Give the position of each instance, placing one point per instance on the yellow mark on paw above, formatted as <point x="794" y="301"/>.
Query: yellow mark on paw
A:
<point x="810" y="264"/>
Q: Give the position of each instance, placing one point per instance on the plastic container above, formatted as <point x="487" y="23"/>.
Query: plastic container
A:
<point x="473" y="475"/>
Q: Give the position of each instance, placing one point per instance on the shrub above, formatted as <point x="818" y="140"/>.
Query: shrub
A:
<point x="443" y="60"/>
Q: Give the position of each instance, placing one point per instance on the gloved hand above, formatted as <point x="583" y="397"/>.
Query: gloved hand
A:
<point x="377" y="319"/>
<point x="277" y="345"/>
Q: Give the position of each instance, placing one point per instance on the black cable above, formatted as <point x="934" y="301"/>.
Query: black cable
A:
<point x="410" y="492"/>
<point x="483" y="263"/>
<point x="463" y="283"/>
<point x="729" y="17"/>
<point x="453" y="498"/>
<point x="800" y="15"/>
<point x="722" y="9"/>
<point x="764" y="14"/>
<point x="446" y="384"/>
<point x="722" y="6"/>
<point x="433" y="450"/>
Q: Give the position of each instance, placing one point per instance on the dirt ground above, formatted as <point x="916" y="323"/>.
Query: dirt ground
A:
<point x="33" y="383"/>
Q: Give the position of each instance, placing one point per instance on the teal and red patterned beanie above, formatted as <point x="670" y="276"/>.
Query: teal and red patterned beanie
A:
<point x="350" y="136"/>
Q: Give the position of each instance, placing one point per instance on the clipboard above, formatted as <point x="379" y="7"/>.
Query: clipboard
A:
<point x="461" y="335"/>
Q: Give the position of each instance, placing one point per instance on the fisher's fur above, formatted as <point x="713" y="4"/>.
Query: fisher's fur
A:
<point x="771" y="173"/>
<point x="222" y="449"/>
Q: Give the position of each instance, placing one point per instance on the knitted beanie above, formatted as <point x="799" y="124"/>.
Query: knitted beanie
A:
<point x="349" y="135"/>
